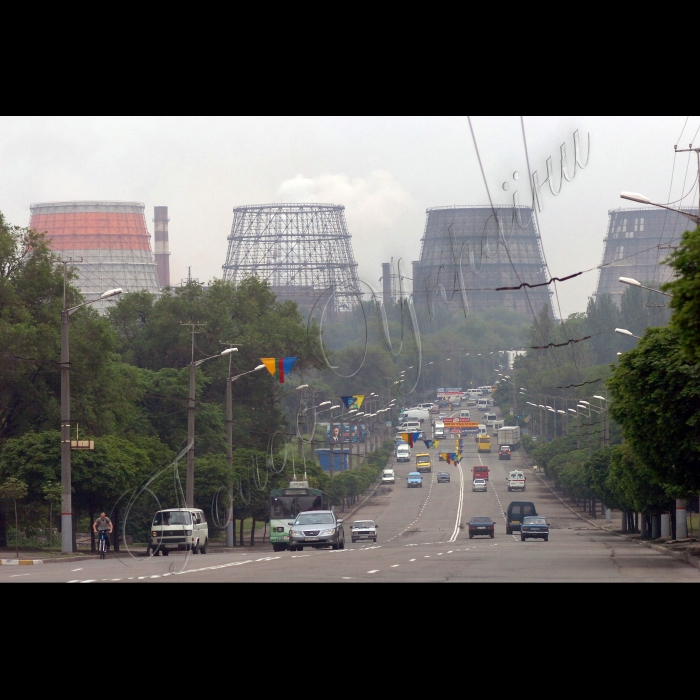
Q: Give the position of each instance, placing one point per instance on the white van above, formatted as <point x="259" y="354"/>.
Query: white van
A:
<point x="410" y="427"/>
<point x="483" y="404"/>
<point x="439" y="431"/>
<point x="179" y="528"/>
<point x="465" y="414"/>
<point x="490" y="418"/>
<point x="388" y="476"/>
<point x="403" y="453"/>
<point x="482" y="430"/>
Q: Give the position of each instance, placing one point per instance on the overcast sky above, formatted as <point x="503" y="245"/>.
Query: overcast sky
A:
<point x="385" y="170"/>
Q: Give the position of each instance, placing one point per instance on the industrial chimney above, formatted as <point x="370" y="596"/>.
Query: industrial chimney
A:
<point x="162" y="248"/>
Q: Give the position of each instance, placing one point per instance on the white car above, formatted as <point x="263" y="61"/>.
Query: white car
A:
<point x="479" y="485"/>
<point x="388" y="476"/>
<point x="363" y="530"/>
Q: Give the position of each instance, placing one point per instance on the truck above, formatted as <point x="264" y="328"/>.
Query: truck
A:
<point x="480" y="472"/>
<point x="510" y="435"/>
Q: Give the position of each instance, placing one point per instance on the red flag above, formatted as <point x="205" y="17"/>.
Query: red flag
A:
<point x="281" y="369"/>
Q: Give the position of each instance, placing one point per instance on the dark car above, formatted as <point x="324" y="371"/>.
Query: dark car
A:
<point x="517" y="511"/>
<point x="482" y="526"/>
<point x="443" y="478"/>
<point x="504" y="452"/>
<point x="534" y="527"/>
<point x="316" y="528"/>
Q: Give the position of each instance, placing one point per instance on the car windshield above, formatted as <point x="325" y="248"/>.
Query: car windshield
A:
<point x="480" y="520"/>
<point x="364" y="524"/>
<point x="535" y="521"/>
<point x="315" y="519"/>
<point x="414" y="475"/>
<point x="173" y="517"/>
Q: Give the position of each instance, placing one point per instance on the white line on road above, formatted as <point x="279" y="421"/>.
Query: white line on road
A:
<point x="16" y="575"/>
<point x="459" y="507"/>
<point x="76" y="569"/>
<point x="374" y="571"/>
<point x="411" y="560"/>
<point x="395" y="566"/>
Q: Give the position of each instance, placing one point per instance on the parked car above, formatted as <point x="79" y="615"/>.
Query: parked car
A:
<point x="363" y="530"/>
<point x="316" y="528"/>
<point x="443" y="477"/>
<point x="517" y="511"/>
<point x="482" y="526"/>
<point x="534" y="527"/>
<point x="414" y="480"/>
<point x="479" y="485"/>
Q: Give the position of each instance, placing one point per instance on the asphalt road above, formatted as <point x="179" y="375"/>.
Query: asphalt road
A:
<point x="421" y="539"/>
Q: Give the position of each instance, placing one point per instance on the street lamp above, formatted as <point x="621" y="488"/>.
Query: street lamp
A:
<point x="300" y="387"/>
<point x="66" y="472"/>
<point x="229" y="439"/>
<point x="624" y="331"/>
<point x="635" y="283"/>
<point x="641" y="199"/>
<point x="189" y="481"/>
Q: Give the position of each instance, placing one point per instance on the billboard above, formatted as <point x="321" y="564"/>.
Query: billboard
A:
<point x="446" y="393"/>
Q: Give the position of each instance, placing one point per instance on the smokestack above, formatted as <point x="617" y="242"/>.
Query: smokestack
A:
<point x="386" y="281"/>
<point x="162" y="247"/>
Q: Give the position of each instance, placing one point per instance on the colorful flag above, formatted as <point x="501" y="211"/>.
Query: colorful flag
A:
<point x="436" y="444"/>
<point x="279" y="366"/>
<point x="408" y="437"/>
<point x="353" y="403"/>
<point x="428" y="443"/>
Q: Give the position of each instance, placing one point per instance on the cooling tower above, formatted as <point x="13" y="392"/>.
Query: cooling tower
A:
<point x="108" y="240"/>
<point x="636" y="243"/>
<point x="301" y="250"/>
<point x="463" y="249"/>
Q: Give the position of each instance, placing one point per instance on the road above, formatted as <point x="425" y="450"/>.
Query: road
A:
<point x="421" y="539"/>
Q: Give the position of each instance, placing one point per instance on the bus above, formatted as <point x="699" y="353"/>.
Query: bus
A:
<point x="423" y="463"/>
<point x="483" y="443"/>
<point x="286" y="504"/>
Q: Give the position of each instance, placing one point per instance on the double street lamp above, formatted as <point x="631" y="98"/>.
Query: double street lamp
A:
<point x="66" y="476"/>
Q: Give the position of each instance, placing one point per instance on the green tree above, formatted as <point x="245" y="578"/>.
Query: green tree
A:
<point x="686" y="293"/>
<point x="52" y="493"/>
<point x="656" y="400"/>
<point x="14" y="490"/>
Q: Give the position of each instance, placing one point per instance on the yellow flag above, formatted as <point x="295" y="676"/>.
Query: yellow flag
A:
<point x="358" y="401"/>
<point x="270" y="363"/>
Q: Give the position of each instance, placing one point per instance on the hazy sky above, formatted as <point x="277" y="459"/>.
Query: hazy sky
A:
<point x="385" y="170"/>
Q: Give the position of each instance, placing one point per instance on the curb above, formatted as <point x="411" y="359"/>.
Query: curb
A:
<point x="20" y="562"/>
<point x="681" y="556"/>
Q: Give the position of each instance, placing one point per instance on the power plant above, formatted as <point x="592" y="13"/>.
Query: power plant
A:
<point x="108" y="243"/>
<point x="466" y="255"/>
<point x="302" y="250"/>
<point x="162" y="245"/>
<point x="637" y="242"/>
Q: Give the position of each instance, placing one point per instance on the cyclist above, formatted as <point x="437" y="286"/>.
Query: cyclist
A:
<point x="103" y="524"/>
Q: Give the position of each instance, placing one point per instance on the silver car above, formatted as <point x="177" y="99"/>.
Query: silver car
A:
<point x="479" y="485"/>
<point x="316" y="528"/>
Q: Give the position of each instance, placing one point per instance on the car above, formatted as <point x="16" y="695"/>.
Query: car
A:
<point x="534" y="527"/>
<point x="504" y="452"/>
<point x="516" y="513"/>
<point x="479" y="485"/>
<point x="316" y="528"/>
<point x="363" y="530"/>
<point x="443" y="477"/>
<point x="388" y="476"/>
<point x="414" y="480"/>
<point x="482" y="526"/>
<point x="403" y="453"/>
<point x="179" y="528"/>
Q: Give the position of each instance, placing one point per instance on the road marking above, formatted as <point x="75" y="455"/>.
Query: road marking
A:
<point x="450" y="552"/>
<point x="411" y="560"/>
<point x="346" y="578"/>
<point x="17" y="575"/>
<point x="76" y="569"/>
<point x="455" y="533"/>
<point x="440" y="554"/>
<point x="374" y="571"/>
<point x="427" y="556"/>
<point x="395" y="566"/>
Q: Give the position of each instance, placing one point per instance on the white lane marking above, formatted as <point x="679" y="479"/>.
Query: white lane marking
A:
<point x="395" y="566"/>
<point x="450" y="552"/>
<point x="455" y="533"/>
<point x="346" y="578"/>
<point x="440" y="554"/>
<point x="411" y="560"/>
<point x="76" y="569"/>
<point x="90" y="580"/>
<point x="17" y="575"/>
<point x="427" y="556"/>
<point x="74" y="581"/>
<point x="154" y="576"/>
<point x="374" y="571"/>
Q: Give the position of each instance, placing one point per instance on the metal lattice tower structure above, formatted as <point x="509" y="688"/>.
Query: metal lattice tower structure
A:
<point x="462" y="248"/>
<point x="637" y="242"/>
<point x="111" y="238"/>
<point x="301" y="250"/>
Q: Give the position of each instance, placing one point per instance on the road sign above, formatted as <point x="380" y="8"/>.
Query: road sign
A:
<point x="389" y="424"/>
<point x="511" y="413"/>
<point x="527" y="419"/>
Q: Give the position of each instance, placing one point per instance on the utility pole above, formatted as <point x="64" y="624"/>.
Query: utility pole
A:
<point x="189" y="485"/>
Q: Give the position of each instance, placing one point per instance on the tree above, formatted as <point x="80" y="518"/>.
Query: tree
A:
<point x="686" y="293"/>
<point x="52" y="494"/>
<point x="655" y="395"/>
<point x="14" y="490"/>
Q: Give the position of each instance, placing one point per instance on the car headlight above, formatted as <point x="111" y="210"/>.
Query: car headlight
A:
<point x="188" y="532"/>
<point x="154" y="533"/>
<point x="296" y="533"/>
<point x="326" y="533"/>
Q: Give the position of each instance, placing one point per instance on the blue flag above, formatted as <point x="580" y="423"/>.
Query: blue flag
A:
<point x="428" y="443"/>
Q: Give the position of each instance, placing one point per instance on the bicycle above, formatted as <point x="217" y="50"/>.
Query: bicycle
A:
<point x="103" y="543"/>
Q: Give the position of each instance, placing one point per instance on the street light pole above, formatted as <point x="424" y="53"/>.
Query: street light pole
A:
<point x="66" y="467"/>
